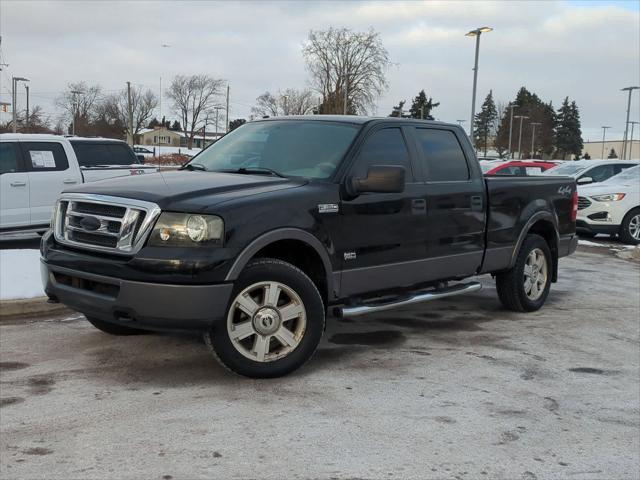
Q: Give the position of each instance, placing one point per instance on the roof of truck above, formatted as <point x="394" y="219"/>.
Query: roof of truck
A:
<point x="25" y="137"/>
<point x="357" y="119"/>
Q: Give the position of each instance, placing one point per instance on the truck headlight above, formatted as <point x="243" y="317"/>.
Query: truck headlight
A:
<point x="609" y="197"/>
<point x="186" y="230"/>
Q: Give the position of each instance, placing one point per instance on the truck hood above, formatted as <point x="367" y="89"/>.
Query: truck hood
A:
<point x="187" y="191"/>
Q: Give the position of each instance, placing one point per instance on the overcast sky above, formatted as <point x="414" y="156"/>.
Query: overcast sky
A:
<point x="587" y="50"/>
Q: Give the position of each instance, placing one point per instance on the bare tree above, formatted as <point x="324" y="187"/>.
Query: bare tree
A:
<point x="290" y="101"/>
<point x="39" y="122"/>
<point x="194" y="98"/>
<point x="340" y="59"/>
<point x="143" y="104"/>
<point x="79" y="101"/>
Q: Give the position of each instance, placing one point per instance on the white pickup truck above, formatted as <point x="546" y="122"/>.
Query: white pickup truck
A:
<point x="35" y="168"/>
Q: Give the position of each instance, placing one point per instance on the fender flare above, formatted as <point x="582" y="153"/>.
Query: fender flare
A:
<point x="281" y="234"/>
<point x="525" y="230"/>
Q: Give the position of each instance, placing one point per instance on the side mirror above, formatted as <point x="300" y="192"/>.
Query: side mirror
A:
<point x="584" y="180"/>
<point x="380" y="179"/>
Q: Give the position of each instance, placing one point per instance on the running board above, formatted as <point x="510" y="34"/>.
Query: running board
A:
<point x="359" y="310"/>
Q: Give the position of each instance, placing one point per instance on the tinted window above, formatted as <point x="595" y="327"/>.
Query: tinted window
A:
<point x="93" y="154"/>
<point x="291" y="147"/>
<point x="445" y="159"/>
<point x="512" y="170"/>
<point x="384" y="147"/>
<point x="44" y="156"/>
<point x="9" y="162"/>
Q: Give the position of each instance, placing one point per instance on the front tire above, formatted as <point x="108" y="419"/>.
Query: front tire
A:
<point x="630" y="228"/>
<point x="274" y="321"/>
<point x="526" y="286"/>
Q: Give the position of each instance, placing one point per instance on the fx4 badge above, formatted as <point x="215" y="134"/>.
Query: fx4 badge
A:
<point x="349" y="255"/>
<point x="327" y="208"/>
<point x="565" y="191"/>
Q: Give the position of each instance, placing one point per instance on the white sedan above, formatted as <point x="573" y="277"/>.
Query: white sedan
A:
<point x="611" y="207"/>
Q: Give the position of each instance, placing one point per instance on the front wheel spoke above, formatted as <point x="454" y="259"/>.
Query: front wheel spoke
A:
<point x="291" y="311"/>
<point x="242" y="330"/>
<point x="247" y="305"/>
<point x="271" y="294"/>
<point x="261" y="347"/>
<point x="286" y="337"/>
<point x="527" y="286"/>
<point x="534" y="289"/>
<point x="528" y="270"/>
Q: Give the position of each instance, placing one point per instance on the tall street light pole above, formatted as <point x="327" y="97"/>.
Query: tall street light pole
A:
<point x="522" y="118"/>
<point x="75" y="110"/>
<point x="217" y="109"/>
<point x="26" y="87"/>
<point x="345" y="77"/>
<point x="604" y="131"/>
<point x="475" y="33"/>
<point x="633" y="124"/>
<point x="14" y="99"/>
<point x="533" y="138"/>
<point x="511" y="107"/>
<point x="626" y="125"/>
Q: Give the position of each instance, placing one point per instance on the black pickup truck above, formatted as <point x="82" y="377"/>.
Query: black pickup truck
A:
<point x="286" y="219"/>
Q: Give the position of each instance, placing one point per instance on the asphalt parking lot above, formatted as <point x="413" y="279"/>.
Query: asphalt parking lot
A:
<point x="457" y="388"/>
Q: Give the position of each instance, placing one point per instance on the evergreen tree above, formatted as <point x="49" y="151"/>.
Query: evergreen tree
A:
<point x="421" y="106"/>
<point x="233" y="124"/>
<point x="484" y="124"/>
<point x="568" y="137"/>
<point x="397" y="110"/>
<point x="612" y="154"/>
<point x="175" y="126"/>
<point x="153" y="123"/>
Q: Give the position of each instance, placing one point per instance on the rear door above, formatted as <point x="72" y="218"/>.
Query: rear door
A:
<point x="49" y="174"/>
<point x="456" y="203"/>
<point x="14" y="187"/>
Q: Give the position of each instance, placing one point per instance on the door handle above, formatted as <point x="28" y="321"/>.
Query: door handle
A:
<point x="69" y="181"/>
<point x="476" y="202"/>
<point x="18" y="184"/>
<point x="418" y="206"/>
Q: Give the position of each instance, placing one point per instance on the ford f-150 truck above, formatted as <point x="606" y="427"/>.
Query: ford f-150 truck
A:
<point x="286" y="220"/>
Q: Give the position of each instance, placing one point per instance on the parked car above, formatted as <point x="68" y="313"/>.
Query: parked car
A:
<point x="611" y="207"/>
<point x="286" y="219"/>
<point x="520" y="167"/>
<point x="35" y="168"/>
<point x="591" y="171"/>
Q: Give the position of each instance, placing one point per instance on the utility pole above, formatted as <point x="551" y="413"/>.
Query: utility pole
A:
<point x="226" y="128"/>
<point x="14" y="99"/>
<point x="217" y="109"/>
<point x="604" y="130"/>
<point x="130" y="116"/>
<point x="475" y="33"/>
<point x="26" y="87"/>
<point x="522" y="118"/>
<point x="626" y="125"/>
<point x="204" y="131"/>
<point x="286" y="109"/>
<point x="75" y="110"/>
<point x="345" y="80"/>
<point x="533" y="138"/>
<point x="511" y="128"/>
<point x="633" y="124"/>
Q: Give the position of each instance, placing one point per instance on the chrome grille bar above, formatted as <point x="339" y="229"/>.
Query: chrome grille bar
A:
<point x="121" y="227"/>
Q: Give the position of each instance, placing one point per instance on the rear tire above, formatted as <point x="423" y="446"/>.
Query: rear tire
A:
<point x="274" y="321"/>
<point x="630" y="228"/>
<point x="526" y="286"/>
<point x="114" y="329"/>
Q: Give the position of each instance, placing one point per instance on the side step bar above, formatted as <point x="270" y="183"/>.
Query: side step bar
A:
<point x="359" y="310"/>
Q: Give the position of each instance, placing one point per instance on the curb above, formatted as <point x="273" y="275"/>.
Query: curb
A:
<point x="10" y="309"/>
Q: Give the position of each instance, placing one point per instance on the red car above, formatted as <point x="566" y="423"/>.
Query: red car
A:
<point x="520" y="167"/>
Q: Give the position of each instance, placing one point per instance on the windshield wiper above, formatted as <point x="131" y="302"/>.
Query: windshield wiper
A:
<point x="193" y="166"/>
<point x="255" y="171"/>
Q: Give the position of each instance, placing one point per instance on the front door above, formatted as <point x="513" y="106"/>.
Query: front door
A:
<point x="380" y="235"/>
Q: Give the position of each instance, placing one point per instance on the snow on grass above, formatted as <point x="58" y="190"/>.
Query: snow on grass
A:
<point x="20" y="274"/>
<point x="614" y="246"/>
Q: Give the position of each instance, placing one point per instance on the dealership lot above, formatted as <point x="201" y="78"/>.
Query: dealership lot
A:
<point x="457" y="388"/>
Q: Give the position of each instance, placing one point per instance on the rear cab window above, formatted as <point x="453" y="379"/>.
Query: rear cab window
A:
<point x="445" y="159"/>
<point x="44" y="156"/>
<point x="10" y="161"/>
<point x="96" y="154"/>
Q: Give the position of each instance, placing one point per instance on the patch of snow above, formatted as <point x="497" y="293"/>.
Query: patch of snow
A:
<point x="587" y="243"/>
<point x="20" y="274"/>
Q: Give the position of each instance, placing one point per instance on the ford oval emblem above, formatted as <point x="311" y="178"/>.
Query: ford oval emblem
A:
<point x="90" y="223"/>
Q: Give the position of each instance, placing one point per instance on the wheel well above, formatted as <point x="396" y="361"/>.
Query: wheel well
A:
<point x="546" y="230"/>
<point x="303" y="256"/>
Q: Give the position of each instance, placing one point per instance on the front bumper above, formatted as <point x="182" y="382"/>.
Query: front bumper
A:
<point x="151" y="306"/>
<point x="583" y="226"/>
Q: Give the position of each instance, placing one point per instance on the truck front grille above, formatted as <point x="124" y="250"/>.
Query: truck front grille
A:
<point x="103" y="223"/>
<point x="583" y="202"/>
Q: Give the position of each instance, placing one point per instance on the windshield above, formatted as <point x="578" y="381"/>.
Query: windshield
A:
<point x="626" y="176"/>
<point x="311" y="149"/>
<point x="568" y="169"/>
